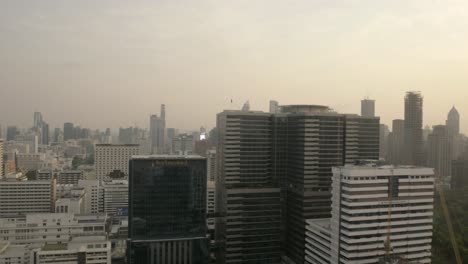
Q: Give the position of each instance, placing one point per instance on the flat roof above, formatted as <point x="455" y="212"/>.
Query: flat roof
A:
<point x="118" y="145"/>
<point x="171" y="157"/>
<point x="54" y="247"/>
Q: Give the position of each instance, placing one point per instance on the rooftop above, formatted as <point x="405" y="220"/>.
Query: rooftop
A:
<point x="167" y="157"/>
<point x="54" y="247"/>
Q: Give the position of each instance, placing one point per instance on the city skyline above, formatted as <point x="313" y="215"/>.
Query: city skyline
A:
<point x="103" y="64"/>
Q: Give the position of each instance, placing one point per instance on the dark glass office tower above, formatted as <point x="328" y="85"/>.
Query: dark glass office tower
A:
<point x="167" y="210"/>
<point x="274" y="173"/>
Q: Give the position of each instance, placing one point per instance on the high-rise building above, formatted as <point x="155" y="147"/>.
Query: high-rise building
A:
<point x="274" y="107"/>
<point x="396" y="142"/>
<point x="414" y="154"/>
<point x="183" y="145"/>
<point x="374" y="209"/>
<point x="126" y="136"/>
<point x="38" y="120"/>
<point x="111" y="160"/>
<point x="439" y="151"/>
<point x="22" y="197"/>
<point x="368" y="108"/>
<point x="211" y="164"/>
<point x="158" y="131"/>
<point x="453" y="122"/>
<point x="279" y="165"/>
<point x="45" y="133"/>
<point x="167" y="210"/>
<point x="12" y="132"/>
<point x="68" y="131"/>
<point x="57" y="132"/>
<point x="383" y="145"/>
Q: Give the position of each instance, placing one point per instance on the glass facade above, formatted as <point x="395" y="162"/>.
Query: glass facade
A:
<point x="167" y="201"/>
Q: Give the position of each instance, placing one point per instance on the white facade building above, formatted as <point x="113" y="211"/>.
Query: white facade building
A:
<point x="92" y="196"/>
<point x="113" y="157"/>
<point x="372" y="203"/>
<point x="36" y="230"/>
<point x="115" y="195"/>
<point x="93" y="249"/>
<point x="21" y="197"/>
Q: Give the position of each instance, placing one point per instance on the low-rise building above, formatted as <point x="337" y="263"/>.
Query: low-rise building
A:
<point x="22" y="197"/>
<point x="115" y="196"/>
<point x="93" y="249"/>
<point x="36" y="230"/>
<point x="70" y="177"/>
<point x="13" y="254"/>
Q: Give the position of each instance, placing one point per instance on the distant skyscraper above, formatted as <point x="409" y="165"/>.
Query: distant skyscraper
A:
<point x="274" y="107"/>
<point x="37" y="120"/>
<point x="12" y="132"/>
<point x="414" y="154"/>
<point x="439" y="151"/>
<point x="384" y="133"/>
<point x="182" y="145"/>
<point x="453" y="122"/>
<point x="396" y="142"/>
<point x="57" y="132"/>
<point x="167" y="216"/>
<point x="68" y="131"/>
<point x="367" y="108"/>
<point x="157" y="131"/>
<point x="279" y="165"/>
<point x="366" y="211"/>
<point x="112" y="159"/>
<point x="45" y="133"/>
<point x="126" y="136"/>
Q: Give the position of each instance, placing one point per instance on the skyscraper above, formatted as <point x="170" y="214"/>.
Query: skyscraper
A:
<point x="439" y="151"/>
<point x="45" y="133"/>
<point x="279" y="165"/>
<point x="68" y="131"/>
<point x="37" y="119"/>
<point x="414" y="154"/>
<point x="167" y="216"/>
<point x="368" y="108"/>
<point x="157" y="131"/>
<point x="383" y="148"/>
<point x="453" y="122"/>
<point x="396" y="142"/>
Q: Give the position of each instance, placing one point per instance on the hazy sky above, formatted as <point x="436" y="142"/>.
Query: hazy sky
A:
<point x="112" y="63"/>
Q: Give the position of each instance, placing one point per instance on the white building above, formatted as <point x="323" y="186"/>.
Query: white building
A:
<point x="21" y="197"/>
<point x="44" y="175"/>
<point x="92" y="196"/>
<point x="115" y="195"/>
<point x="369" y="205"/>
<point x="70" y="200"/>
<point x="36" y="230"/>
<point x="183" y="144"/>
<point x="94" y="249"/>
<point x="1" y="157"/>
<point x="13" y="254"/>
<point x="110" y="158"/>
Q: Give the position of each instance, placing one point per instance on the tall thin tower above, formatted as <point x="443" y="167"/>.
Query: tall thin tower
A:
<point x="414" y="129"/>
